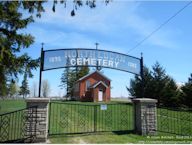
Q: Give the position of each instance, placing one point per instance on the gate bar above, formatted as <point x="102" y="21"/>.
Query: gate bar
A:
<point x="95" y="118"/>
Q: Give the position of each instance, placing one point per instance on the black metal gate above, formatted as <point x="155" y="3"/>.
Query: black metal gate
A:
<point x="69" y="118"/>
<point x="16" y="126"/>
<point x="174" y="121"/>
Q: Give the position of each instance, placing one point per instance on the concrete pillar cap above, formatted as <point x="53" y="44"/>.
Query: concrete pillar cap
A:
<point x="38" y="100"/>
<point x="145" y="100"/>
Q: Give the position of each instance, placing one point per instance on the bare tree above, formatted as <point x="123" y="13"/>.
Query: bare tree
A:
<point x="45" y="88"/>
<point x="33" y="89"/>
<point x="59" y="94"/>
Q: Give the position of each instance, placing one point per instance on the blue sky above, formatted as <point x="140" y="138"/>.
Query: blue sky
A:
<point x="118" y="27"/>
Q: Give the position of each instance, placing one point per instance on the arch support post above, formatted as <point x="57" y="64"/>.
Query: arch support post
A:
<point x="145" y="116"/>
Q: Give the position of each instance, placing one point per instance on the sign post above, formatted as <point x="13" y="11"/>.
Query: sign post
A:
<point x="142" y="77"/>
<point x="41" y="68"/>
<point x="97" y="67"/>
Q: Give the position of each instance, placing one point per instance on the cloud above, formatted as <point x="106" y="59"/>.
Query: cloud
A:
<point x="53" y="38"/>
<point x="118" y="20"/>
<point x="85" y="20"/>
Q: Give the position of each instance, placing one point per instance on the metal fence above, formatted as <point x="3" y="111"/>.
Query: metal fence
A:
<point x="174" y="121"/>
<point x="16" y="126"/>
<point x="68" y="118"/>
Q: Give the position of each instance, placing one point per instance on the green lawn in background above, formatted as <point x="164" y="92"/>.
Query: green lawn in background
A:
<point x="11" y="105"/>
<point x="120" y="100"/>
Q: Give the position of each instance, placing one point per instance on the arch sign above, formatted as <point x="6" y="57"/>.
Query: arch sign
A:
<point x="62" y="58"/>
<point x="54" y="59"/>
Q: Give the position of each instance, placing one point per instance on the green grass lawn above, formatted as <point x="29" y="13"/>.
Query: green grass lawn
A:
<point x="112" y="138"/>
<point x="11" y="105"/>
<point x="120" y="100"/>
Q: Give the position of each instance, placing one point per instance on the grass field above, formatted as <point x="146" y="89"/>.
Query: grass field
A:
<point x="120" y="100"/>
<point x="112" y="138"/>
<point x="106" y="137"/>
<point x="11" y="105"/>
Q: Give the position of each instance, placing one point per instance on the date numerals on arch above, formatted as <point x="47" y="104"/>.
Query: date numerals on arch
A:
<point x="132" y="65"/>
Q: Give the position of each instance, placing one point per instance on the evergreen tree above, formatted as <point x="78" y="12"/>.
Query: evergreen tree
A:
<point x="13" y="90"/>
<point x="157" y="85"/>
<point x="187" y="93"/>
<point x="24" y="89"/>
<point x="136" y="85"/>
<point x="190" y="78"/>
<point x="159" y="81"/>
<point x="83" y="71"/>
<point x="12" y="40"/>
<point x="65" y="78"/>
<point x="73" y="77"/>
<point x="70" y="76"/>
<point x="170" y="94"/>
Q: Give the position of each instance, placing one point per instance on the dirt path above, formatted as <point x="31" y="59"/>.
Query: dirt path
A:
<point x="79" y="140"/>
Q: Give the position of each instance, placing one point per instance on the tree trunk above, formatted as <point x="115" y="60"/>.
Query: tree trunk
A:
<point x="3" y="87"/>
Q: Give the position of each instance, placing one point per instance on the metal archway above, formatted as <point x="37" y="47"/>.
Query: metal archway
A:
<point x="73" y="57"/>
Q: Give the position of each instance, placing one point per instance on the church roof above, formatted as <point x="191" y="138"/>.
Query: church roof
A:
<point x="84" y="77"/>
<point x="98" y="83"/>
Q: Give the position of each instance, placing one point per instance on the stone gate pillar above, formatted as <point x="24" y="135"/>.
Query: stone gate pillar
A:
<point x="145" y="116"/>
<point x="38" y="118"/>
